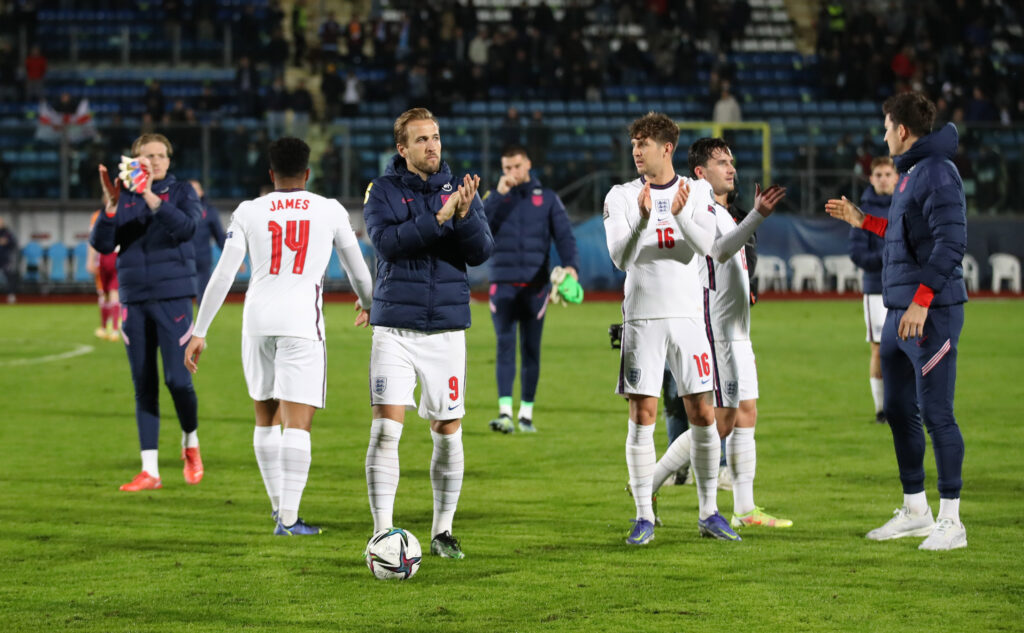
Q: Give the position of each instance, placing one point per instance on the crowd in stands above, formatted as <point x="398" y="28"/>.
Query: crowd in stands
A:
<point x="955" y="51"/>
<point x="965" y="54"/>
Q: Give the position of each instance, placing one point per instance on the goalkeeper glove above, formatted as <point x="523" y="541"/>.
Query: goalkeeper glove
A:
<point x="133" y="174"/>
<point x="565" y="288"/>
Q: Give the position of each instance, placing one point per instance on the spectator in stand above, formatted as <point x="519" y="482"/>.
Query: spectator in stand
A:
<point x="247" y="85"/>
<point x="276" y="102"/>
<point x="479" y="47"/>
<point x="8" y="72"/>
<point x="329" y="33"/>
<point x="300" y="24"/>
<point x="331" y="87"/>
<point x="153" y="100"/>
<point x="9" y="260"/>
<point x="980" y="108"/>
<point x="277" y="53"/>
<point x="511" y="128"/>
<point x="538" y="137"/>
<point x="178" y="113"/>
<point x="353" y="95"/>
<point x="301" y="103"/>
<point x="208" y="101"/>
<point x="35" y="75"/>
<point x="727" y="109"/>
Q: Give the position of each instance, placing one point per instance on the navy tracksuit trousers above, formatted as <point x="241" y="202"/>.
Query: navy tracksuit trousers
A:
<point x="920" y="376"/>
<point x="525" y="305"/>
<point x="164" y="324"/>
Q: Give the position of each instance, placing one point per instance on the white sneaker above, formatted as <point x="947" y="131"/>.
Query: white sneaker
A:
<point x="903" y="524"/>
<point x="724" y="478"/>
<point x="946" y="535"/>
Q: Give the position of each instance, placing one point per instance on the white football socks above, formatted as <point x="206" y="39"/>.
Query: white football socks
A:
<point x="525" y="410"/>
<point x="149" y="462"/>
<point x="190" y="439"/>
<point x="741" y="455"/>
<point x="296" y="455"/>
<point x="266" y="443"/>
<point x="382" y="470"/>
<point x="505" y="407"/>
<point x="640" y="459"/>
<point x="950" y="509"/>
<point x="705" y="453"/>
<point x="447" y="466"/>
<point x="877" y="393"/>
<point x="675" y="459"/>
<point x="917" y="503"/>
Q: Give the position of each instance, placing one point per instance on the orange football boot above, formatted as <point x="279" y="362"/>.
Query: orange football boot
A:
<point x="143" y="481"/>
<point x="193" y="465"/>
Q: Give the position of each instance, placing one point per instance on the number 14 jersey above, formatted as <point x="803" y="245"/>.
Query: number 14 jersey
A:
<point x="290" y="236"/>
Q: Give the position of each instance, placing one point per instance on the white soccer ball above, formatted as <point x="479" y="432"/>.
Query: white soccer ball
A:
<point x="393" y="553"/>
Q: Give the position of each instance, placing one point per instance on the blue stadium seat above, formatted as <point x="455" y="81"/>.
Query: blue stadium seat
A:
<point x="80" y="259"/>
<point x="334" y="269"/>
<point x="31" y="261"/>
<point x="58" y="256"/>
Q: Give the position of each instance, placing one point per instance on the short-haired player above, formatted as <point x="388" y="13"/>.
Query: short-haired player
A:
<point x="289" y="234"/>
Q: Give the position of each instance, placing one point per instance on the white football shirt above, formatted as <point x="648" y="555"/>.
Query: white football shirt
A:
<point x="290" y="236"/>
<point x="662" y="279"/>
<point x="727" y="286"/>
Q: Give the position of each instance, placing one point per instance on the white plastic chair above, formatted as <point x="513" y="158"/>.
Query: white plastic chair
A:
<point x="971" y="273"/>
<point x="807" y="268"/>
<point x="1005" y="267"/>
<point x="845" y="271"/>
<point x="770" y="273"/>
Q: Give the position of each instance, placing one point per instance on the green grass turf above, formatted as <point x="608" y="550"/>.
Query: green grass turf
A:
<point x="542" y="517"/>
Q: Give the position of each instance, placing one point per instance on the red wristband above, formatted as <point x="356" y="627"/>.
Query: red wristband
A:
<point x="875" y="225"/>
<point x="924" y="295"/>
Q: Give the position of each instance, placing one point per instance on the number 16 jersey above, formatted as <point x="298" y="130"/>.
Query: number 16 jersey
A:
<point x="290" y="235"/>
<point x="662" y="279"/>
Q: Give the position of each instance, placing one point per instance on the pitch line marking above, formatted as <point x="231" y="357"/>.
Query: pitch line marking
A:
<point x="79" y="350"/>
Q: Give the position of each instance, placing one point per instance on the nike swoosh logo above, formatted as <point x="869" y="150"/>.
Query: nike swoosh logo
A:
<point x="177" y="320"/>
<point x="129" y="205"/>
<point x="705" y="381"/>
<point x="407" y="200"/>
<point x="453" y="407"/>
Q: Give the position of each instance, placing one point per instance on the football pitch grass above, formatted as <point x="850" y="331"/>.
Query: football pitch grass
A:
<point x="543" y="517"/>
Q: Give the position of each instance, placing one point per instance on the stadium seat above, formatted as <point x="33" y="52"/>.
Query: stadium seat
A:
<point x="31" y="261"/>
<point x="1005" y="267"/>
<point x="971" y="272"/>
<point x="80" y="257"/>
<point x="58" y="257"/>
<point x="334" y="270"/>
<point x="770" y="273"/>
<point x="807" y="268"/>
<point x="844" y="270"/>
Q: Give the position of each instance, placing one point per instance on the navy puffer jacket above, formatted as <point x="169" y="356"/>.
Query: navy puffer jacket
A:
<point x="421" y="266"/>
<point x="865" y="247"/>
<point x="927" y="232"/>
<point x="523" y="222"/>
<point x="157" y="259"/>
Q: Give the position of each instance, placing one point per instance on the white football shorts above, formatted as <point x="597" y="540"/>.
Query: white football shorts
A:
<point x="400" y="357"/>
<point x="874" y="317"/>
<point x="736" y="373"/>
<point x="285" y="368"/>
<point x="648" y="343"/>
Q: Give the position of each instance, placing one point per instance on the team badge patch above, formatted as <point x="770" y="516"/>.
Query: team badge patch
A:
<point x="661" y="205"/>
<point x="731" y="388"/>
<point x="633" y="375"/>
<point x="606" y="212"/>
<point x="537" y="200"/>
<point x="380" y="384"/>
<point x="447" y="187"/>
<point x="444" y="198"/>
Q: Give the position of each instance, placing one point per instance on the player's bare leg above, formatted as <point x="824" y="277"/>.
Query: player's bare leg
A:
<point x="877" y="390"/>
<point x="447" y="467"/>
<point x="296" y="455"/>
